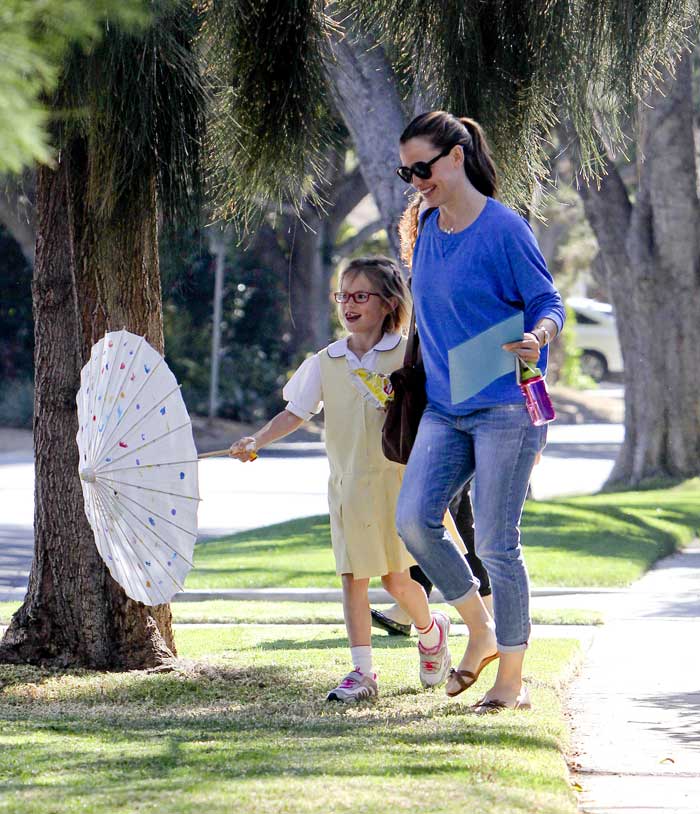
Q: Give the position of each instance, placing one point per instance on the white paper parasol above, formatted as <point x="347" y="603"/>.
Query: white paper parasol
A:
<point x="138" y="467"/>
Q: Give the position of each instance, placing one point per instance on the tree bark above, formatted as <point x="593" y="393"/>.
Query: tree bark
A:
<point x="365" y="91"/>
<point x="312" y="241"/>
<point x="310" y="284"/>
<point x="91" y="274"/>
<point x="651" y="251"/>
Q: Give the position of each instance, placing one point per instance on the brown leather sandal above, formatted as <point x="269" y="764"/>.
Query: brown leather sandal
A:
<point x="465" y="678"/>
<point x="489" y="705"/>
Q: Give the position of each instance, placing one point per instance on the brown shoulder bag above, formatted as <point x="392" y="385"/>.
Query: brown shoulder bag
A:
<point x="404" y="412"/>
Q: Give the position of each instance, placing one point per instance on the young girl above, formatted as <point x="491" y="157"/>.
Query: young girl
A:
<point x="348" y="379"/>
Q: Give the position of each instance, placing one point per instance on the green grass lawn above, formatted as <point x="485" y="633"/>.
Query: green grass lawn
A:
<point x="609" y="539"/>
<point x="241" y="725"/>
<point x="225" y="611"/>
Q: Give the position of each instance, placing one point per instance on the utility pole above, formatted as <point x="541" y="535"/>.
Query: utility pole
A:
<point x="218" y="243"/>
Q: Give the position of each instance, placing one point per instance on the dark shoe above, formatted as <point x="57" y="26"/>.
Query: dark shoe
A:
<point x="392" y="628"/>
<point x="465" y="678"/>
<point x="489" y="705"/>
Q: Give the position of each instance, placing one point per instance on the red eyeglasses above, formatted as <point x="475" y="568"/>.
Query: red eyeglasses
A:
<point x="360" y="297"/>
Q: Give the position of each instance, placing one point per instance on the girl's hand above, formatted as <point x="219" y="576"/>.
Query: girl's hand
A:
<point x="527" y="349"/>
<point x="245" y="449"/>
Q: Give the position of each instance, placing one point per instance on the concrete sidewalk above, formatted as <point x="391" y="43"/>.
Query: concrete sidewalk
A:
<point x="635" y="709"/>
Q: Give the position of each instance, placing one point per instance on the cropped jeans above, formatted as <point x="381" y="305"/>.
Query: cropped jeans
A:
<point x="497" y="447"/>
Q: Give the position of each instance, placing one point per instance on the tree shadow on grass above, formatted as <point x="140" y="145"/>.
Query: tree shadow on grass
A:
<point x="301" y="535"/>
<point x="546" y="530"/>
<point x="378" y="642"/>
<point x="144" y="735"/>
<point x="242" y="744"/>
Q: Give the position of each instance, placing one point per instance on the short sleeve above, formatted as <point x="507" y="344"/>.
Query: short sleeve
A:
<point x="303" y="392"/>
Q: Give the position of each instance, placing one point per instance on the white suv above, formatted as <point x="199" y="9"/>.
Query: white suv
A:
<point x="596" y="335"/>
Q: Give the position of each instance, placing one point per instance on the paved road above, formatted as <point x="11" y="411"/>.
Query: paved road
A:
<point x="287" y="484"/>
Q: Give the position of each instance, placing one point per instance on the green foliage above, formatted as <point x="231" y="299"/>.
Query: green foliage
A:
<point x="35" y="35"/>
<point x="16" y="326"/>
<point x="269" y="117"/>
<point x="513" y="66"/>
<point x="255" y="356"/>
<point x="139" y="98"/>
<point x="16" y="403"/>
<point x="608" y="539"/>
<point x="246" y="726"/>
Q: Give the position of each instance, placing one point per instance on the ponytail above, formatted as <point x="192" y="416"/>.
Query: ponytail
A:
<point x="478" y="163"/>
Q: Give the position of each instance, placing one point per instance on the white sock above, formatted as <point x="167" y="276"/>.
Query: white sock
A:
<point x="362" y="658"/>
<point x="429" y="636"/>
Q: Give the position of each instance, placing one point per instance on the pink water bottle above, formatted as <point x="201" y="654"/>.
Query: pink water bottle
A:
<point x="539" y="404"/>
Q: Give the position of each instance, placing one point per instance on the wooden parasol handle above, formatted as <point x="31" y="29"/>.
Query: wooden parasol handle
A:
<point x="216" y="454"/>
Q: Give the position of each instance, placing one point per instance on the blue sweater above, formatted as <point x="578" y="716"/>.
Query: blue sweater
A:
<point x="467" y="282"/>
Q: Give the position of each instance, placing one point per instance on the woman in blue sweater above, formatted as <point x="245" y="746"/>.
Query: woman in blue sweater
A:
<point x="475" y="263"/>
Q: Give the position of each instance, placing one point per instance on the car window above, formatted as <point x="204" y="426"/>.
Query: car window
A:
<point x="582" y="319"/>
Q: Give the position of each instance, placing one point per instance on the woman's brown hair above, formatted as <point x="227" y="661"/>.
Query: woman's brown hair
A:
<point x="386" y="279"/>
<point x="445" y="130"/>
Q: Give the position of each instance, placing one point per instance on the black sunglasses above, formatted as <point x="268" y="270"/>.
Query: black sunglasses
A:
<point x="420" y="168"/>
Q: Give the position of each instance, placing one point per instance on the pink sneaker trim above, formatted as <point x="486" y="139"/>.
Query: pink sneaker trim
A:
<point x="431" y="651"/>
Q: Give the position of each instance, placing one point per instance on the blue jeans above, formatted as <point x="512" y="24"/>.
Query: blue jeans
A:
<point x="496" y="446"/>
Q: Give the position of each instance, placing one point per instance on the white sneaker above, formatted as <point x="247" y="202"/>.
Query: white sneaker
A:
<point x="436" y="661"/>
<point x="356" y="686"/>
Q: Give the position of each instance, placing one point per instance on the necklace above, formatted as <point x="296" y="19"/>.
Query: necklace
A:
<point x="448" y="230"/>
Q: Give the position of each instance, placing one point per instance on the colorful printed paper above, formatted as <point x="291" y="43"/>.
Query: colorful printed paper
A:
<point x="375" y="387"/>
<point x="138" y="467"/>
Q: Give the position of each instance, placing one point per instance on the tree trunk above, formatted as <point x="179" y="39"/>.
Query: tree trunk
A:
<point x="309" y="284"/>
<point x="91" y="274"/>
<point x="312" y="241"/>
<point x="652" y="255"/>
<point x="365" y="90"/>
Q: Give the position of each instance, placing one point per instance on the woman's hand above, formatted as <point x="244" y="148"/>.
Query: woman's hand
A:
<point x="245" y="449"/>
<point x="527" y="349"/>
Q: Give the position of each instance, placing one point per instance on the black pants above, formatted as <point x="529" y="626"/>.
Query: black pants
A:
<point x="461" y="511"/>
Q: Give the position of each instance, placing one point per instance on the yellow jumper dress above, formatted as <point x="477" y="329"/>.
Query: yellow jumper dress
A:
<point x="363" y="486"/>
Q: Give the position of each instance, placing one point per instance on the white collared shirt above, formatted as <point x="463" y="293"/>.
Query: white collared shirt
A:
<point x="304" y="393"/>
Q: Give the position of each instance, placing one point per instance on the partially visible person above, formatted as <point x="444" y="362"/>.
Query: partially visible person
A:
<point x="394" y="620"/>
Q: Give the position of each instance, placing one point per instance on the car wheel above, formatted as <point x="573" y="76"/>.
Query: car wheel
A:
<point x="593" y="364"/>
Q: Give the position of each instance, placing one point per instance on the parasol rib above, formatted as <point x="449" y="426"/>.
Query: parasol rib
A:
<point x="147" y="488"/>
<point x="152" y="531"/>
<point x="100" y="470"/>
<point x="127" y="373"/>
<point x="153" y="554"/>
<point x="142" y="419"/>
<point x="128" y="575"/>
<point x="98" y="417"/>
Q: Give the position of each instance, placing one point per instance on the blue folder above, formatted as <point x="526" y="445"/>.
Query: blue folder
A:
<point x="481" y="360"/>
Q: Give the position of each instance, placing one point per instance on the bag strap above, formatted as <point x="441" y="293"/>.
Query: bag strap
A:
<point x="410" y="358"/>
